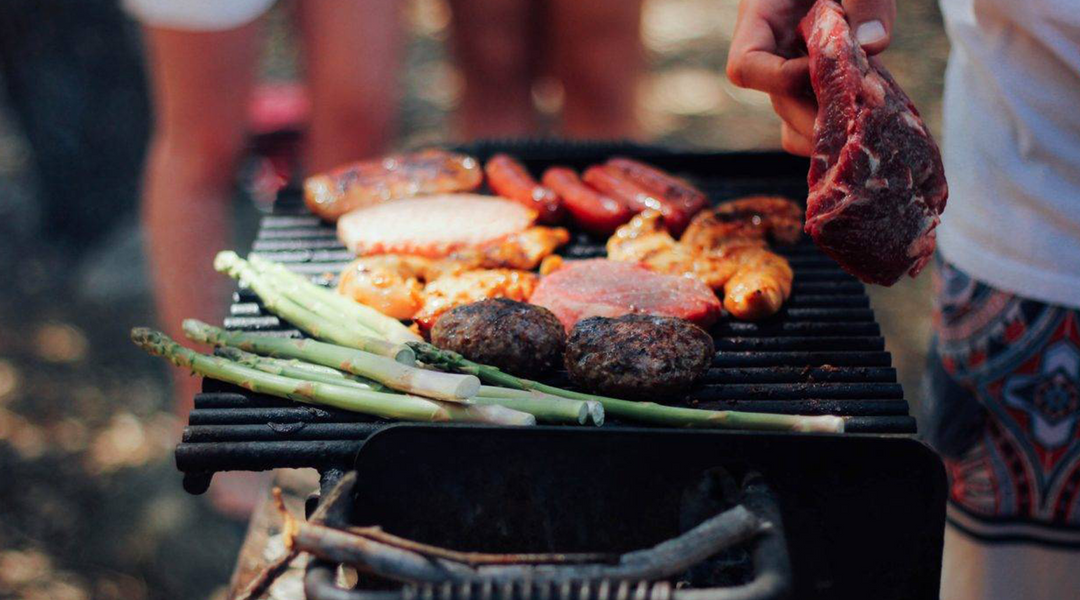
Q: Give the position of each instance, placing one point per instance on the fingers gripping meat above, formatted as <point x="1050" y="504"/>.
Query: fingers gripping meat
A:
<point x="595" y="212"/>
<point x="509" y="179"/>
<point x="341" y="190"/>
<point x="680" y="195"/>
<point x="752" y="218"/>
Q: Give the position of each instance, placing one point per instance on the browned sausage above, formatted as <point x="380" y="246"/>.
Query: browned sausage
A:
<point x="352" y="186"/>
<point x="509" y="179"/>
<point x="611" y="181"/>
<point x="669" y="189"/>
<point x="593" y="211"/>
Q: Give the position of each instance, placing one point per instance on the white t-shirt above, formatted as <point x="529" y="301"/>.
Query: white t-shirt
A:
<point x="1011" y="146"/>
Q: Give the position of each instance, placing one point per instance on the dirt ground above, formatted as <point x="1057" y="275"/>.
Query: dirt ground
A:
<point x="90" y="502"/>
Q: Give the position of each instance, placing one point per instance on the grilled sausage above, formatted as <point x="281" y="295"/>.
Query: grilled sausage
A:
<point x="509" y="179"/>
<point x="682" y="196"/>
<point x="523" y="339"/>
<point x="637" y="356"/>
<point x="613" y="182"/>
<point x="594" y="212"/>
<point x="352" y="186"/>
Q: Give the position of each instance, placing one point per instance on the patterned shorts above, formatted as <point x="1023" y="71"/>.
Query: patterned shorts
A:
<point x="1004" y="410"/>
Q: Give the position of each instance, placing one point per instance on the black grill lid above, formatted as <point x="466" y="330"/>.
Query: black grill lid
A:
<point x="822" y="354"/>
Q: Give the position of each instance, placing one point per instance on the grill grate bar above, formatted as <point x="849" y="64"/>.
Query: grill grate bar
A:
<point x="801" y="358"/>
<point x="801" y="374"/>
<point x="796" y="391"/>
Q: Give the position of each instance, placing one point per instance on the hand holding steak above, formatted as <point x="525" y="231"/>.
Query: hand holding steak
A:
<point x="877" y="186"/>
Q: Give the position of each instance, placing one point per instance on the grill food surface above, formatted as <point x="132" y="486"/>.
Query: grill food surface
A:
<point x="821" y="354"/>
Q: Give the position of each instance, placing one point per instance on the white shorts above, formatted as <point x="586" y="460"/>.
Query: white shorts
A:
<point x="197" y="15"/>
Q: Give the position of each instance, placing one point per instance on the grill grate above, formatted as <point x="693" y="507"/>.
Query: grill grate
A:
<point x="823" y="353"/>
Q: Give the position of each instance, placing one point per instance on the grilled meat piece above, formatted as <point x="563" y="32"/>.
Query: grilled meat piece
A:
<point x="450" y="291"/>
<point x="592" y="211"/>
<point x="755" y="281"/>
<point x="683" y="198"/>
<point x="753" y="218"/>
<point x="639" y="357"/>
<point x="331" y="195"/>
<point x="510" y="179"/>
<point x="519" y="338"/>
<point x="588" y="288"/>
<point x="522" y="250"/>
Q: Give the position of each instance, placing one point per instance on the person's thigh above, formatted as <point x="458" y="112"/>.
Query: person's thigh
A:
<point x="494" y="45"/>
<point x="352" y="51"/>
<point x="596" y="54"/>
<point x="201" y="84"/>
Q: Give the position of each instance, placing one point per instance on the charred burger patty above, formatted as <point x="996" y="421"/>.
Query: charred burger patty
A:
<point x="519" y="338"/>
<point x="641" y="357"/>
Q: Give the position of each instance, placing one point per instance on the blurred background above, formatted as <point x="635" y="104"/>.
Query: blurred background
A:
<point x="90" y="503"/>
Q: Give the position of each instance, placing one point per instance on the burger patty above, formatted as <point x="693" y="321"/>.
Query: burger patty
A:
<point x="519" y="338"/>
<point x="638" y="357"/>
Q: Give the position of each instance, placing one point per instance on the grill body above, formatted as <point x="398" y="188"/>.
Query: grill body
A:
<point x="863" y="516"/>
<point x="863" y="511"/>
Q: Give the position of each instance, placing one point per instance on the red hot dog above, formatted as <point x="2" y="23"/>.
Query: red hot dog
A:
<point x="670" y="189"/>
<point x="595" y="212"/>
<point x="509" y="179"/>
<point x="611" y="181"/>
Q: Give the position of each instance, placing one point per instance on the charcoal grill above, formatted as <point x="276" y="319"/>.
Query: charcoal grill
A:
<point x="864" y="511"/>
<point x="822" y="354"/>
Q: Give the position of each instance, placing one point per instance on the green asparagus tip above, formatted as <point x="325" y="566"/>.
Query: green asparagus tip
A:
<point x="225" y="260"/>
<point x="149" y="340"/>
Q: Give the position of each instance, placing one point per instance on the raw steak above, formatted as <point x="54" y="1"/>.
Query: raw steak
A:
<point x="876" y="181"/>
<point x="604" y="288"/>
<point x="432" y="226"/>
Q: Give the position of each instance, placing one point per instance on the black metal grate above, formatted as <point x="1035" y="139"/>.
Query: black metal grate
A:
<point x="822" y="354"/>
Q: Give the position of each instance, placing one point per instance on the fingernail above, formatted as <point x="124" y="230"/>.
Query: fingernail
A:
<point x="870" y="32"/>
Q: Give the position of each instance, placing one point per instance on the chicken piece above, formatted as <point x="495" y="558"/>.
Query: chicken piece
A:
<point x="644" y="240"/>
<point x="760" y="280"/>
<point x="522" y="250"/>
<point x="393" y="284"/>
<point x="467" y="287"/>
<point x="753" y="217"/>
<point x="755" y="281"/>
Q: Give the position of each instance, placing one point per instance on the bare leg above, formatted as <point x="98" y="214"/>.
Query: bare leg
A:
<point x="596" y="53"/>
<point x="352" y="51"/>
<point x="201" y="84"/>
<point x="492" y="43"/>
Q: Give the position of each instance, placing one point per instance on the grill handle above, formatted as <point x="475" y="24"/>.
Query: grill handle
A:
<point x="772" y="579"/>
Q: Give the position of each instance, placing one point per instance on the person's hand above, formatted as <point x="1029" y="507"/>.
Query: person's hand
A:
<point x="768" y="55"/>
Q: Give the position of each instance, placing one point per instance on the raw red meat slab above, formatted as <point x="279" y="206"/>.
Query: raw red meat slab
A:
<point x="603" y="288"/>
<point x="877" y="186"/>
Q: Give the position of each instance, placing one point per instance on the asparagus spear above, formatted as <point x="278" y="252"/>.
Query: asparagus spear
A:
<point x="301" y="289"/>
<point x="379" y="404"/>
<point x="644" y="412"/>
<point x="299" y="369"/>
<point x="305" y="317"/>
<point x="546" y="408"/>
<point x="431" y="384"/>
